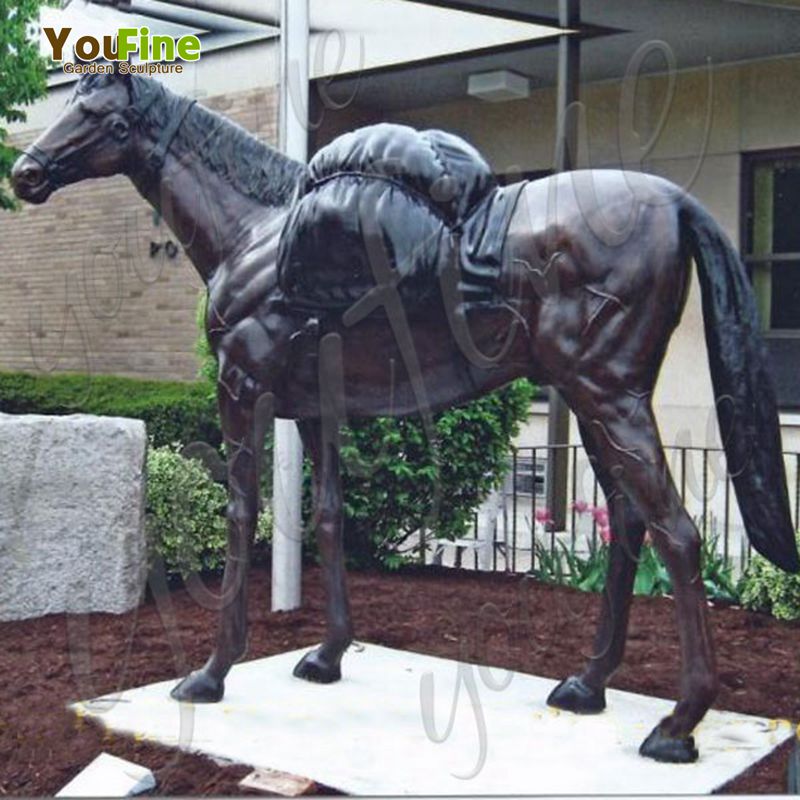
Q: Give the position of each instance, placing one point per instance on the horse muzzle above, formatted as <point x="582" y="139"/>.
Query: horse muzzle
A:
<point x="30" y="181"/>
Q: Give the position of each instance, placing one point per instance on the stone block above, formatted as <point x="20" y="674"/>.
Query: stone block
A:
<point x="109" y="776"/>
<point x="71" y="514"/>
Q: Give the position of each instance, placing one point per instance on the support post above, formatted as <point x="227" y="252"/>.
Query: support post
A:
<point x="488" y="513"/>
<point x="287" y="475"/>
<point x="566" y="151"/>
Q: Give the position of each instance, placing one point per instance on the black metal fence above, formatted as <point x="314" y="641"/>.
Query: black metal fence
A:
<point x="514" y="524"/>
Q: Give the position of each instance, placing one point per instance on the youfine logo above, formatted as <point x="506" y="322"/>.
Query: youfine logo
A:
<point x="121" y="47"/>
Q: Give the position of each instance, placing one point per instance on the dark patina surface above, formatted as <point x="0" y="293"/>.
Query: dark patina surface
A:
<point x="429" y="287"/>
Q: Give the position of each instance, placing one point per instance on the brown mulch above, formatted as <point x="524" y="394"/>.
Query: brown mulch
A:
<point x="500" y="620"/>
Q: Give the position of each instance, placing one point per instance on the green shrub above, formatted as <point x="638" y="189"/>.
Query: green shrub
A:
<point x="652" y="577"/>
<point x="173" y="411"/>
<point x="588" y="573"/>
<point x="562" y="566"/>
<point x="765" y="587"/>
<point x="391" y="479"/>
<point x="185" y="514"/>
<point x="717" y="573"/>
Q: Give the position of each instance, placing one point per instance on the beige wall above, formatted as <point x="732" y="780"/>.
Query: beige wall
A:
<point x="752" y="107"/>
<point x="80" y="291"/>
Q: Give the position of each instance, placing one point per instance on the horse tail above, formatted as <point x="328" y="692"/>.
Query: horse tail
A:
<point x="745" y="398"/>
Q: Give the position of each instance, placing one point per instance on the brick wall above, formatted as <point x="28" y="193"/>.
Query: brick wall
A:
<point x="79" y="290"/>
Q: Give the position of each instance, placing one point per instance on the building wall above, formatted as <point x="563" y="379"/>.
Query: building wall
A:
<point x="80" y="290"/>
<point x="749" y="108"/>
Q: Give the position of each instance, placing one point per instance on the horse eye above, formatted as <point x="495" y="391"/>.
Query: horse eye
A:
<point x="119" y="129"/>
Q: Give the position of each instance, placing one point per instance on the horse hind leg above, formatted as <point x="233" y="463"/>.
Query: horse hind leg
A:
<point x="585" y="693"/>
<point x="629" y="449"/>
<point x="323" y="665"/>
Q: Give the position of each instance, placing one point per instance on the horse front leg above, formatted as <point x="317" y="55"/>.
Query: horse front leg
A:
<point x="207" y="685"/>
<point x="323" y="665"/>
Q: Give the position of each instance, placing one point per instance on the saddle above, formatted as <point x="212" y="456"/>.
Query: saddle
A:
<point x="389" y="205"/>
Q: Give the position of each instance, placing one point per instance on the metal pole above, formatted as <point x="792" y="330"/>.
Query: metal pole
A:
<point x="566" y="150"/>
<point x="569" y="67"/>
<point x="287" y="476"/>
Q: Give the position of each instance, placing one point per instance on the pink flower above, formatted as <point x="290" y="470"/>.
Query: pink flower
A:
<point x="580" y="506"/>
<point x="542" y="515"/>
<point x="600" y="516"/>
<point x="605" y="534"/>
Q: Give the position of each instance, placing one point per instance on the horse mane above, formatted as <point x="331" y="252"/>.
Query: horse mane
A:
<point x="251" y="166"/>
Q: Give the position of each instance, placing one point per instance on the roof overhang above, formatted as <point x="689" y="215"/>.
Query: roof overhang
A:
<point x="348" y="37"/>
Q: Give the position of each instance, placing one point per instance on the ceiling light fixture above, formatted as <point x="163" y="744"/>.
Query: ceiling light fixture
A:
<point x="498" y="85"/>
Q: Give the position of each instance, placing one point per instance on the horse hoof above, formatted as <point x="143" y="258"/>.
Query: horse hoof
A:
<point x="199" y="687"/>
<point x="312" y="667"/>
<point x="669" y="749"/>
<point x="572" y="694"/>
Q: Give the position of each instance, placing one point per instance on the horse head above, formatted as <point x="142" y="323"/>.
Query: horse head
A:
<point x="99" y="133"/>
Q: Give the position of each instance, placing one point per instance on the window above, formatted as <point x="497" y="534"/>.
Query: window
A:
<point x="771" y="249"/>
<point x="772" y="237"/>
<point x="528" y="480"/>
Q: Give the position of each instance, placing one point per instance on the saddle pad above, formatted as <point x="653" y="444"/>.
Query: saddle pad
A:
<point x="447" y="172"/>
<point x="386" y="204"/>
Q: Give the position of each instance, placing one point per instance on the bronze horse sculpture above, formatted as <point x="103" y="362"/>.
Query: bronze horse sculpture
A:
<point x="576" y="281"/>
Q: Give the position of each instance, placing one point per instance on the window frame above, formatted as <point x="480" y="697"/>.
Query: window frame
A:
<point x="749" y="160"/>
<point x="783" y="344"/>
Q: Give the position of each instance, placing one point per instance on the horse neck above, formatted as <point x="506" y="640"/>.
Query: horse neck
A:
<point x="208" y="216"/>
<point x="217" y="183"/>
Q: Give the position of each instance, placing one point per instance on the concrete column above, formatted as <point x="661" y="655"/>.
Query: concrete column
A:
<point x="287" y="527"/>
<point x="287" y="476"/>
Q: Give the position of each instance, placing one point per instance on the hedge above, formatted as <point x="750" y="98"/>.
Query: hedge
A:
<point x="392" y="475"/>
<point x="185" y="521"/>
<point x="765" y="587"/>
<point x="173" y="411"/>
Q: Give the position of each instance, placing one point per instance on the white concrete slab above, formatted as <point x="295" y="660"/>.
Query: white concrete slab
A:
<point x="373" y="733"/>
